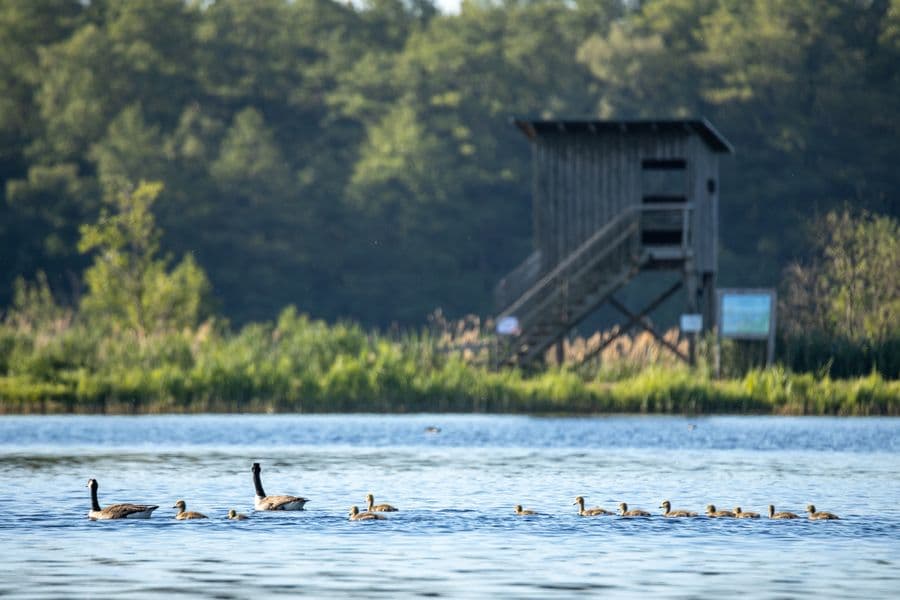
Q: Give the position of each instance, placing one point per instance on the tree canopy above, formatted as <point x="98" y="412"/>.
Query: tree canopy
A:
<point x="850" y="287"/>
<point x="129" y="284"/>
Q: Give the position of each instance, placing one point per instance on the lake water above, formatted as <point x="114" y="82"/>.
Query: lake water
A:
<point x="455" y="534"/>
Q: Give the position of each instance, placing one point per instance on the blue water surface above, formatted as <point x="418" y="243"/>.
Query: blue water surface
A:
<point x="455" y="534"/>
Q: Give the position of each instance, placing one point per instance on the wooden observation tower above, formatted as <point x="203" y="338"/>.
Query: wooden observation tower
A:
<point x="612" y="199"/>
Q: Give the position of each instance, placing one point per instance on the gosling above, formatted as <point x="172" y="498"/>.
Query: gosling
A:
<point x="372" y="507"/>
<point x="717" y="514"/>
<point x="590" y="512"/>
<point x="668" y="512"/>
<point x="184" y="515"/>
<point x="780" y="515"/>
<point x="520" y="511"/>
<point x="236" y="516"/>
<point x="355" y="515"/>
<point x="820" y="516"/>
<point x="739" y="514"/>
<point x="635" y="512"/>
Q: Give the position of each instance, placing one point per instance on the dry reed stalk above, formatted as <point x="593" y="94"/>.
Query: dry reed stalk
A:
<point x="640" y="349"/>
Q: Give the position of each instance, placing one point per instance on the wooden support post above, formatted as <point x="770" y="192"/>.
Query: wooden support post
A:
<point x="643" y="324"/>
<point x="770" y="343"/>
<point x="694" y="290"/>
<point x="692" y="349"/>
<point x="709" y="302"/>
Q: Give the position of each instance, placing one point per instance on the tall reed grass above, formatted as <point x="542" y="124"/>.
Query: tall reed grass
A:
<point x="302" y="365"/>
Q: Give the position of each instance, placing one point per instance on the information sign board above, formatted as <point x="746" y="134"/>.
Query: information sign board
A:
<point x="747" y="315"/>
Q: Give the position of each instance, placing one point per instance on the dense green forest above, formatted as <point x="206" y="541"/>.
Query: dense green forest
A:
<point x="356" y="160"/>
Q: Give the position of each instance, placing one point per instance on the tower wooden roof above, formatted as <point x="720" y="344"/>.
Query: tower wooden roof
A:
<point x="713" y="139"/>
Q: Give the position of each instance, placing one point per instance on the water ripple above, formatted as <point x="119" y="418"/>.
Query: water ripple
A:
<point x="455" y="535"/>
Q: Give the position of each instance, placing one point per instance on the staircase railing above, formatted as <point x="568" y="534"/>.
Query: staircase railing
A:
<point x="518" y="280"/>
<point x="547" y="305"/>
<point x="591" y="252"/>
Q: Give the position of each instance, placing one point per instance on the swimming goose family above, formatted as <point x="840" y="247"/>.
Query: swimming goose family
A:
<point x="263" y="502"/>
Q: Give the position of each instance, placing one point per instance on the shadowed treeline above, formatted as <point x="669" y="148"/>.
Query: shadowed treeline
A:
<point x="357" y="161"/>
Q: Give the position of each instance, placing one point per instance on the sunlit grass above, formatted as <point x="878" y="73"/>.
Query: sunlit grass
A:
<point x="305" y="365"/>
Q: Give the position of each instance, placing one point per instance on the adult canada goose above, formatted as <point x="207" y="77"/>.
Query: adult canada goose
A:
<point x="116" y="511"/>
<point x="372" y="507"/>
<point x="780" y="515"/>
<point x="522" y="511"/>
<point x="820" y="516"/>
<point x="668" y="512"/>
<point x="355" y="515"/>
<point x="184" y="515"/>
<point x="264" y="502"/>
<point x="590" y="512"/>
<point x="635" y="512"/>
<point x="716" y="514"/>
<point x="740" y="514"/>
<point x="236" y="516"/>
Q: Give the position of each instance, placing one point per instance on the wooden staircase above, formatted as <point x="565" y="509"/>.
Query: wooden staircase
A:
<point x="548" y="305"/>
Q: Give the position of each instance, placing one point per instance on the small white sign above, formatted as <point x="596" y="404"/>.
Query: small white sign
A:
<point x="508" y="326"/>
<point x="691" y="323"/>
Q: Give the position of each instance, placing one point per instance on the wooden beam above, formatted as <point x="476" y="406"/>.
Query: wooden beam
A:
<point x="640" y="319"/>
<point x="633" y="319"/>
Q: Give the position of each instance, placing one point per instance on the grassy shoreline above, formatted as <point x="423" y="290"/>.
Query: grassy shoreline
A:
<point x="69" y="365"/>
<point x="466" y="390"/>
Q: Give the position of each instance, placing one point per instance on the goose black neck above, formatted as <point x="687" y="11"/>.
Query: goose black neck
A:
<point x="95" y="504"/>
<point x="257" y="483"/>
